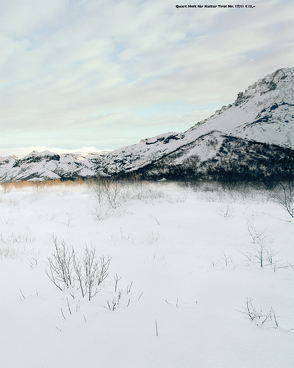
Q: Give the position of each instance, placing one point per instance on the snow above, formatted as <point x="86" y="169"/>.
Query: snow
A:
<point x="47" y="153"/>
<point x="31" y="154"/>
<point x="181" y="251"/>
<point x="86" y="173"/>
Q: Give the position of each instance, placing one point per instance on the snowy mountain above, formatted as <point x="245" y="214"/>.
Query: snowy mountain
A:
<point x="263" y="113"/>
<point x="253" y="136"/>
<point x="220" y="156"/>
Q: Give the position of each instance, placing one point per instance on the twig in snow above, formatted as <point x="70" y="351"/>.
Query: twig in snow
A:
<point x="155" y="219"/>
<point x="156" y="327"/>
<point x="62" y="313"/>
<point x="22" y="294"/>
<point x="68" y="306"/>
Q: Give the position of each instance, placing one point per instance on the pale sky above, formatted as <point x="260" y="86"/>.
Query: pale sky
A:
<point x="104" y="74"/>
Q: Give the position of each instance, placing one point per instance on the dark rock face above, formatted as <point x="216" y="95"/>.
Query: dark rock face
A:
<point x="241" y="99"/>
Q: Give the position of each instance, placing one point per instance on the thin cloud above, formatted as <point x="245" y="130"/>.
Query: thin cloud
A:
<point x="70" y="71"/>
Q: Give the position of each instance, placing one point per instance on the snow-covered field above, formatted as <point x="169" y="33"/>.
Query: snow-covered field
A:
<point x="185" y="264"/>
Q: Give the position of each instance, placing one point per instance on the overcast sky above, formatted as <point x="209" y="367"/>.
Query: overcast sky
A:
<point x="105" y="74"/>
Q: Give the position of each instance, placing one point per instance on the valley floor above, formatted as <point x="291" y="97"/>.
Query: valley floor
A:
<point x="185" y="286"/>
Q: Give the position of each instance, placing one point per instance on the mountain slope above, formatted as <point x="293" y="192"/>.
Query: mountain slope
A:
<point x="261" y="115"/>
<point x="219" y="156"/>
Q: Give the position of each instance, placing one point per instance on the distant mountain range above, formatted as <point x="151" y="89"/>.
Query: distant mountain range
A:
<point x="252" y="138"/>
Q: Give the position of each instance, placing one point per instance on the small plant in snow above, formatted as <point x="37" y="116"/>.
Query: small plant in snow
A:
<point x="226" y="211"/>
<point x="155" y="219"/>
<point x="69" y="218"/>
<point x="227" y="259"/>
<point x="258" y="317"/>
<point x="97" y="211"/>
<point x="33" y="262"/>
<point x="123" y="236"/>
<point x="224" y="259"/>
<point x="176" y="198"/>
<point x="50" y="216"/>
<point x="116" y="280"/>
<point x="7" y="221"/>
<point x="114" y="303"/>
<point x="152" y="237"/>
<point x="17" y="238"/>
<point x="261" y="253"/>
<point x="13" y="202"/>
<point x="9" y="252"/>
<point x="257" y="236"/>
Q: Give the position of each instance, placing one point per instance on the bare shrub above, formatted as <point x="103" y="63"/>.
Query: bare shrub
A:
<point x="113" y="193"/>
<point x="108" y="195"/>
<point x="109" y="190"/>
<point x="67" y="270"/>
<point x="284" y="196"/>
<point x="95" y="271"/>
<point x="260" y="251"/>
<point x="61" y="270"/>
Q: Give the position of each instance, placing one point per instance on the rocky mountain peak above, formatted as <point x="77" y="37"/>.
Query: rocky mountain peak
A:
<point x="261" y="119"/>
<point x="278" y="85"/>
<point x="264" y="112"/>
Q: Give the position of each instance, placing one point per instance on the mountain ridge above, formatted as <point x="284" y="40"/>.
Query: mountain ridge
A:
<point x="263" y="113"/>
